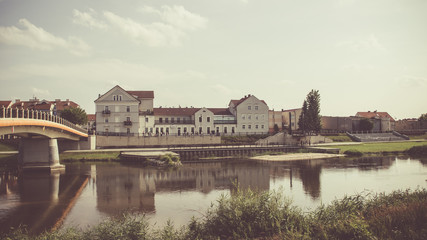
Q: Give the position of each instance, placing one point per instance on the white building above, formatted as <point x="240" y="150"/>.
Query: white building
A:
<point x="121" y="112"/>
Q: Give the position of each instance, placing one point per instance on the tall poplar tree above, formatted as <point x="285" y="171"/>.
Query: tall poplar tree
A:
<point x="310" y="119"/>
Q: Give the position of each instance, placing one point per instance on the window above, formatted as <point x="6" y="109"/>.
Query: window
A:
<point x="167" y="131"/>
<point x="106" y="108"/>
<point x="262" y="126"/>
<point x="114" y="98"/>
<point x="256" y="117"/>
<point x="256" y="126"/>
<point x="128" y="130"/>
<point x="243" y="126"/>
<point x="200" y="119"/>
<point x="249" y="107"/>
<point x="161" y="130"/>
<point x="185" y="130"/>
<point x="256" y="107"/>
<point x="208" y="119"/>
<point x="178" y="119"/>
<point x="243" y="116"/>
<point x="208" y="130"/>
<point x="120" y="97"/>
<point x="200" y="130"/>
<point x="249" y="117"/>
<point x="106" y="120"/>
<point x="127" y="108"/>
<point x="160" y="120"/>
<point x="146" y="119"/>
<point x="146" y="130"/>
<point x="225" y="129"/>
<point x="232" y="129"/>
<point x="249" y="126"/>
<point x="172" y="120"/>
<point x="192" y="130"/>
<point x="128" y="119"/>
<point x="166" y="120"/>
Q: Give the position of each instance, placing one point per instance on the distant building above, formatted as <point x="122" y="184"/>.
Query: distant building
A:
<point x="291" y="118"/>
<point x="51" y="107"/>
<point x="383" y="122"/>
<point x="131" y="112"/>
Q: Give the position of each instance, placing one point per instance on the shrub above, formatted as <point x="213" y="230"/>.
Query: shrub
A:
<point x="418" y="151"/>
<point x="353" y="153"/>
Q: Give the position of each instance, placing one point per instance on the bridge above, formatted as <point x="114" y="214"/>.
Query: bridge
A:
<point x="38" y="132"/>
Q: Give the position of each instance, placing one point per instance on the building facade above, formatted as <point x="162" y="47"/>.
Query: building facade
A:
<point x="121" y="112"/>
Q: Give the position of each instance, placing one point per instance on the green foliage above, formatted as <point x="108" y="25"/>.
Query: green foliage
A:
<point x="339" y="138"/>
<point x="244" y="139"/>
<point x="353" y="153"/>
<point x="75" y="115"/>
<point x="366" y="124"/>
<point x="268" y="215"/>
<point x="380" y="147"/>
<point x="310" y="119"/>
<point x="418" y="151"/>
<point x="423" y="117"/>
<point x="276" y="128"/>
<point x="170" y="160"/>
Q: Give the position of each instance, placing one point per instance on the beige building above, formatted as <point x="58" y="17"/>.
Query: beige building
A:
<point x="251" y="115"/>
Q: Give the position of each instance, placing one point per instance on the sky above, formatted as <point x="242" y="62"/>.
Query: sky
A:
<point x="361" y="55"/>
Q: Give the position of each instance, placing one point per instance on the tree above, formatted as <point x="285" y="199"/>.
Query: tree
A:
<point x="365" y="124"/>
<point x="423" y="117"/>
<point x="276" y="128"/>
<point x="310" y="119"/>
<point x="75" y="115"/>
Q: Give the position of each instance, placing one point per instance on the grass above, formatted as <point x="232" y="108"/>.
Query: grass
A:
<point x="269" y="215"/>
<point x="342" y="137"/>
<point x="381" y="147"/>
<point x="89" y="156"/>
<point x="418" y="137"/>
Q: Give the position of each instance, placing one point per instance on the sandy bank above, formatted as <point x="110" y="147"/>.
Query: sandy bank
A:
<point x="295" y="156"/>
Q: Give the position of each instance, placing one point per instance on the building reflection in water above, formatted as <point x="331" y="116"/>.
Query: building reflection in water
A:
<point x="132" y="188"/>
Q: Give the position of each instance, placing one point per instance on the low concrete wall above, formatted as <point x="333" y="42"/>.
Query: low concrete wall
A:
<point x="286" y="139"/>
<point x="86" y="144"/>
<point x="132" y="141"/>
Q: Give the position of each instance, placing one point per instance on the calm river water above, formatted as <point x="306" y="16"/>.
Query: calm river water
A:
<point x="87" y="193"/>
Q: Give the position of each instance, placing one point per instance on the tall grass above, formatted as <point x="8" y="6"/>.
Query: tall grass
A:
<point x="269" y="215"/>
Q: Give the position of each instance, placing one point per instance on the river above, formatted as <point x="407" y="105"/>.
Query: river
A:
<point x="84" y="194"/>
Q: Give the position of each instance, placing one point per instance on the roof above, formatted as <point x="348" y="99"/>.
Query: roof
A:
<point x="43" y="106"/>
<point x="5" y="104"/>
<point x="91" y="117"/>
<point x="238" y="102"/>
<point x="141" y="94"/>
<point x="374" y="114"/>
<point x="220" y="111"/>
<point x="291" y="110"/>
<point x="61" y="105"/>
<point x="175" y="111"/>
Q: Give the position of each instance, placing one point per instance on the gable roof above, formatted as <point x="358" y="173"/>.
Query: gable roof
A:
<point x="5" y="104"/>
<point x="238" y="102"/>
<point x="91" y="117"/>
<point x="141" y="94"/>
<point x="374" y="114"/>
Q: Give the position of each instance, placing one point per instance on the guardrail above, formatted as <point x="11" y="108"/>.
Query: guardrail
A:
<point x="9" y="113"/>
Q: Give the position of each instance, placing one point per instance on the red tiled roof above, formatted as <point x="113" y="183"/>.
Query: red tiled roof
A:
<point x="374" y="114"/>
<point x="61" y="105"/>
<point x="141" y="94"/>
<point x="91" y="117"/>
<point x="175" y="111"/>
<point x="220" y="111"/>
<point x="238" y="102"/>
<point x="43" y="106"/>
<point x="5" y="104"/>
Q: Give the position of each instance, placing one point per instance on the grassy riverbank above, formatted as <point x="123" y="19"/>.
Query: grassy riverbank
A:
<point x="269" y="215"/>
<point x="381" y="147"/>
<point x="89" y="156"/>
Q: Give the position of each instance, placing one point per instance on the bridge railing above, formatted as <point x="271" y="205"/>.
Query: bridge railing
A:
<point x="39" y="115"/>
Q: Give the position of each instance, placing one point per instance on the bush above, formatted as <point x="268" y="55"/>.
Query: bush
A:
<point x="353" y="153"/>
<point x="418" y="151"/>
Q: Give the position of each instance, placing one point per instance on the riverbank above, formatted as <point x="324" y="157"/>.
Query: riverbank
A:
<point x="270" y="215"/>
<point x="377" y="148"/>
<point x="295" y="157"/>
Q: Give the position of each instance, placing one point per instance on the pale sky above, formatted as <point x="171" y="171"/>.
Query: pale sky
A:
<point x="360" y="54"/>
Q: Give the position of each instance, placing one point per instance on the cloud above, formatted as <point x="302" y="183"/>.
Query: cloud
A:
<point x="35" y="37"/>
<point x="86" y="19"/>
<point x="153" y="35"/>
<point x="370" y="42"/>
<point x="174" y="26"/>
<point x="43" y="92"/>
<point x="412" y="81"/>
<point x="178" y="16"/>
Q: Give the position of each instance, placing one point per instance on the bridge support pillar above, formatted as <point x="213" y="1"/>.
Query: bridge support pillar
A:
<point x="39" y="154"/>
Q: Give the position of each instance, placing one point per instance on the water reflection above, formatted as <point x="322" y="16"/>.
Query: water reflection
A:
<point x="86" y="193"/>
<point x="133" y="188"/>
